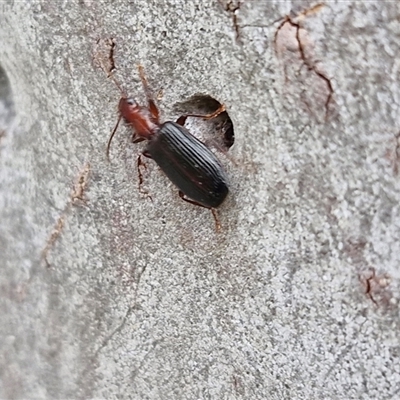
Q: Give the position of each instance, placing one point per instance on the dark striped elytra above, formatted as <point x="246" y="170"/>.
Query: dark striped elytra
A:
<point x="189" y="164"/>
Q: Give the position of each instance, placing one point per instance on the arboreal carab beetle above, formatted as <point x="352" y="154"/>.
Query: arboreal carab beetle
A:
<point x="186" y="161"/>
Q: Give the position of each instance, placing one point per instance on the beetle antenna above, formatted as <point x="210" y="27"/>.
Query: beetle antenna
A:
<point x="117" y="84"/>
<point x="145" y="83"/>
<point x="111" y="137"/>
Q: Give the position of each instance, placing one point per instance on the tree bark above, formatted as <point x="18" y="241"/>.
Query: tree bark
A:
<point x="110" y="290"/>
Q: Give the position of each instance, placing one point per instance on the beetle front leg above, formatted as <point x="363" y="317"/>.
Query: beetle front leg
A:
<point x="182" y="119"/>
<point x="213" y="210"/>
<point x="151" y="103"/>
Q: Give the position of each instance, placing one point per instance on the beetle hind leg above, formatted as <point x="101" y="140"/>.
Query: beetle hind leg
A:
<point x="213" y="210"/>
<point x="141" y="164"/>
<point x="216" y="219"/>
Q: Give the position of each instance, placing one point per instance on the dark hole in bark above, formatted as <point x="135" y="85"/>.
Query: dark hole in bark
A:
<point x="219" y="130"/>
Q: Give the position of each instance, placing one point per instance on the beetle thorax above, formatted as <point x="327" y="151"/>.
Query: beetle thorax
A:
<point x="138" y="117"/>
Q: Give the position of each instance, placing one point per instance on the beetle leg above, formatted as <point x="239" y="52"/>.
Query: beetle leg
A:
<point x="182" y="196"/>
<point x="137" y="139"/>
<point x="216" y="219"/>
<point x="154" y="110"/>
<point x="147" y="154"/>
<point x="152" y="105"/>
<point x="139" y="164"/>
<point x="182" y="119"/>
<point x="213" y="210"/>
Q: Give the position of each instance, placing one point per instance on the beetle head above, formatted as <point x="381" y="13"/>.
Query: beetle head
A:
<point x="129" y="110"/>
<point x="128" y="107"/>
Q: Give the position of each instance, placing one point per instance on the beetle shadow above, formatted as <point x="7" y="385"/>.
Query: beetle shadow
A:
<point x="217" y="132"/>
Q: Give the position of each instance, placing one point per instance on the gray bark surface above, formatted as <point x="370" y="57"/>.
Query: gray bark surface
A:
<point x="296" y="298"/>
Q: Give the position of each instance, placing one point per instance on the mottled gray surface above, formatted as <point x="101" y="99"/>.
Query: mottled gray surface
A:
<point x="143" y="299"/>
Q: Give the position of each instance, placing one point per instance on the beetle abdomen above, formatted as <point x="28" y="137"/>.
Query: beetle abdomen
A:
<point x="189" y="164"/>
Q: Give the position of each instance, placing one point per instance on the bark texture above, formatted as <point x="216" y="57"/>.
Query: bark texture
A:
<point x="108" y="293"/>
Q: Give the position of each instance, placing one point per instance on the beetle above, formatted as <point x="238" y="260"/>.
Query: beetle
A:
<point x="186" y="161"/>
